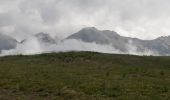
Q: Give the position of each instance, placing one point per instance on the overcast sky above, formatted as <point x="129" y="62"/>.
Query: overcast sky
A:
<point x="144" y="19"/>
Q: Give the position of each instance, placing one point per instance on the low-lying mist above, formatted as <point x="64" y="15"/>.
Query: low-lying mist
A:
<point x="34" y="46"/>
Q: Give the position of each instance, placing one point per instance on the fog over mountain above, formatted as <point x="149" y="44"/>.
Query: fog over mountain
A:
<point x="88" y="39"/>
<point x="159" y="46"/>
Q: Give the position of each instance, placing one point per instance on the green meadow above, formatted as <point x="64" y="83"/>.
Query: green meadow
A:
<point x="84" y="76"/>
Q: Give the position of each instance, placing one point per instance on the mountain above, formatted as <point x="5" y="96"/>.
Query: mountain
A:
<point x="42" y="38"/>
<point x="159" y="46"/>
<point x="45" y="38"/>
<point x="91" y="34"/>
<point x="7" y="42"/>
<point x="91" y="39"/>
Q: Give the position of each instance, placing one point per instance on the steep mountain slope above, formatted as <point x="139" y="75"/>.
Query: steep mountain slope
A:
<point x="7" y="42"/>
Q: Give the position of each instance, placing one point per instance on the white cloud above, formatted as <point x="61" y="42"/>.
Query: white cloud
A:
<point x="33" y="46"/>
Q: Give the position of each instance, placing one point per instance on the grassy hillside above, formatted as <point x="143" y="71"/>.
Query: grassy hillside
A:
<point x="84" y="76"/>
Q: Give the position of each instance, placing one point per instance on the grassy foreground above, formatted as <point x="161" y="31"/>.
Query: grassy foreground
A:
<point x="84" y="76"/>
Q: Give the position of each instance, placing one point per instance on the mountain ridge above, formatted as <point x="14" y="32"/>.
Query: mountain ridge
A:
<point x="127" y="45"/>
<point x="160" y="45"/>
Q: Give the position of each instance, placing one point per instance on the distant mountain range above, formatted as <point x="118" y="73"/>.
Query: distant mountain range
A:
<point x="159" y="46"/>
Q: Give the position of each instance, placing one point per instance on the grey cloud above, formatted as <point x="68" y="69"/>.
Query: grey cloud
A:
<point x="47" y="11"/>
<point x="144" y="19"/>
